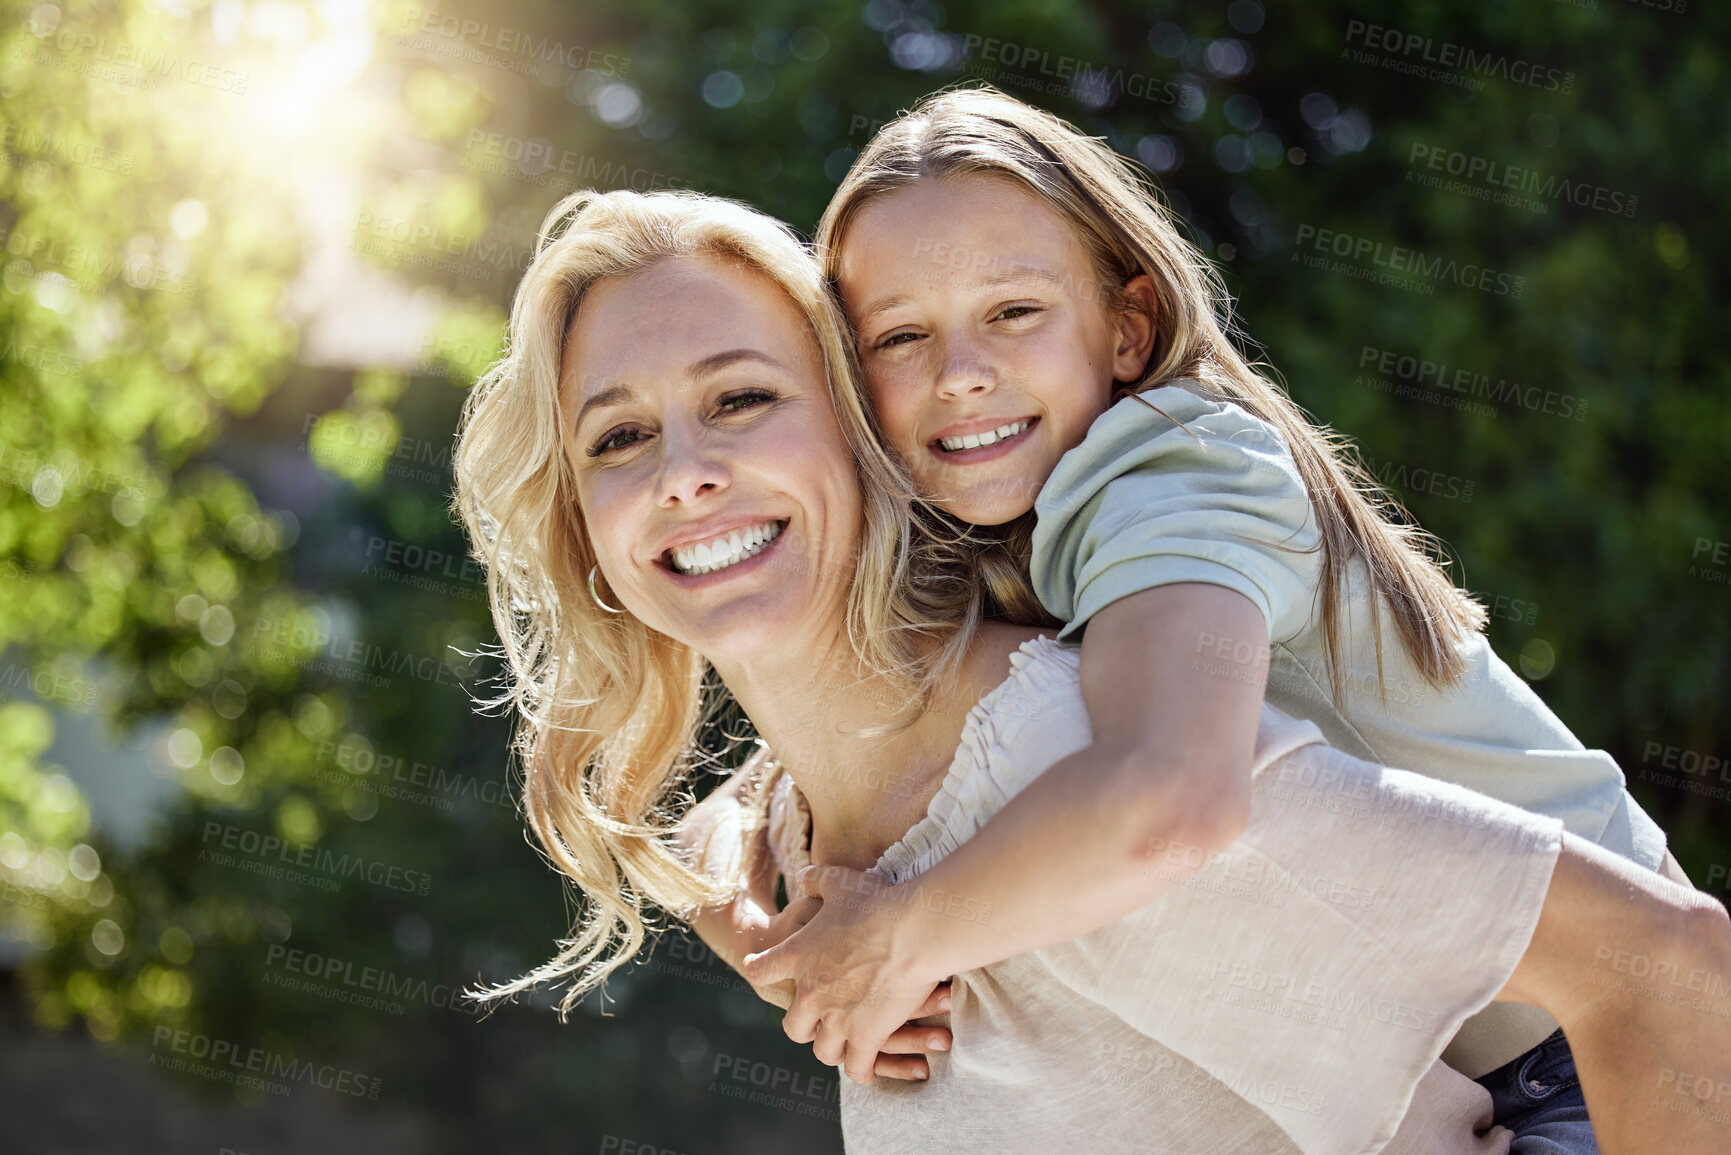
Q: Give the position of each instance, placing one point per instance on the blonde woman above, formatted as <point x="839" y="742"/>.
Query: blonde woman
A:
<point x="664" y="478"/>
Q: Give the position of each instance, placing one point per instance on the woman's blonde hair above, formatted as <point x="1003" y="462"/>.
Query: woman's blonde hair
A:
<point x="1117" y="213"/>
<point x="609" y="710"/>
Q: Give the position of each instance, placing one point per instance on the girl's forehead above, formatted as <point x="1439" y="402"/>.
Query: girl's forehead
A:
<point x="962" y="233"/>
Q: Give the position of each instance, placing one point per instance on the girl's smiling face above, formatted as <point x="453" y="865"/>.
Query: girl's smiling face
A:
<point x="988" y="342"/>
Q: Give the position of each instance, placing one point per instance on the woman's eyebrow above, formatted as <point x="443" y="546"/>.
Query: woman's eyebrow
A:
<point x="707" y="367"/>
<point x="716" y="362"/>
<point x="612" y="395"/>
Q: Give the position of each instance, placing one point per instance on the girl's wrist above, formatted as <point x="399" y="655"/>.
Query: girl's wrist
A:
<point x="926" y="934"/>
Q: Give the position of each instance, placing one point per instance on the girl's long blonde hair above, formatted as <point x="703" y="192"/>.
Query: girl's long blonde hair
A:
<point x="609" y="710"/>
<point x="1127" y="229"/>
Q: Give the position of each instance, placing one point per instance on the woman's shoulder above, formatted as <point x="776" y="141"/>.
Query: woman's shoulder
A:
<point x="1033" y="717"/>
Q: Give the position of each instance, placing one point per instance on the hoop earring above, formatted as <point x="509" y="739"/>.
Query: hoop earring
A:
<point x="597" y="597"/>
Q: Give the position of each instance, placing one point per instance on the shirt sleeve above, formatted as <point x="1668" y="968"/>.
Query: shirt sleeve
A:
<point x="1145" y="502"/>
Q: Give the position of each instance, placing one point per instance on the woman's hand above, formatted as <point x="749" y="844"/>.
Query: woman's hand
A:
<point x="855" y="988"/>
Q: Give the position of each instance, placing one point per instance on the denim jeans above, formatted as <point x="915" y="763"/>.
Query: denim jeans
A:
<point x="1538" y="1097"/>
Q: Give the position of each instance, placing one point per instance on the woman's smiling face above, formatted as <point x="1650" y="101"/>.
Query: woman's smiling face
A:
<point x="988" y="343"/>
<point x="715" y="483"/>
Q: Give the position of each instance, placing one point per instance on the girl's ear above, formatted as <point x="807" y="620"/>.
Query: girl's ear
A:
<point x="1136" y="331"/>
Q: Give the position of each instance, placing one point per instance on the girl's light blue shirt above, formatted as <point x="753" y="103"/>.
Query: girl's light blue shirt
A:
<point x="1143" y="503"/>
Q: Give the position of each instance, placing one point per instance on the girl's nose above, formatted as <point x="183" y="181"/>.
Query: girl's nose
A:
<point x="964" y="372"/>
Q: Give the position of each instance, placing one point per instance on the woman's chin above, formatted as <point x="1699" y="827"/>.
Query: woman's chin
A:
<point x="769" y="624"/>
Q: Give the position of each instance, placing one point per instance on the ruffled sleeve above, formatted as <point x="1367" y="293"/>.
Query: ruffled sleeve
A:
<point x="1039" y="713"/>
<point x="1143" y="502"/>
<point x="789" y="829"/>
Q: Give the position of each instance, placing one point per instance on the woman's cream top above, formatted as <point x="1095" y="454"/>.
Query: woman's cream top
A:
<point x="1294" y="995"/>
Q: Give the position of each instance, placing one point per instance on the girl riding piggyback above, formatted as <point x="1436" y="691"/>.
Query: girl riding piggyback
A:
<point x="1050" y="357"/>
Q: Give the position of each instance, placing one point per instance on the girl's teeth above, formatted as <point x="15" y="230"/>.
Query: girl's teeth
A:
<point x="989" y="437"/>
<point x="707" y="557"/>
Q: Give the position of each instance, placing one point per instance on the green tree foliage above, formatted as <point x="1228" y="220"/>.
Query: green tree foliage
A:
<point x="212" y="536"/>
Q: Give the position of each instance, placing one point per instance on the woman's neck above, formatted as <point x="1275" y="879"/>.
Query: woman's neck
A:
<point x="818" y="713"/>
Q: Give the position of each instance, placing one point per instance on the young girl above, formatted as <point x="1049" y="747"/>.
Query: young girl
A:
<point x="1005" y="276"/>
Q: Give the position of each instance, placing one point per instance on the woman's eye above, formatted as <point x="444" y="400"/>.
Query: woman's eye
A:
<point x="895" y="339"/>
<point x="615" y="439"/>
<point x="750" y="399"/>
<point x="1015" y="312"/>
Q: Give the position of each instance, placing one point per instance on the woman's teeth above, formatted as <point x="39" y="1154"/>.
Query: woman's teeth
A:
<point x="975" y="440"/>
<point x="729" y="549"/>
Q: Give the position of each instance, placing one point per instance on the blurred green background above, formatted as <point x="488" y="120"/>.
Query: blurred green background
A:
<point x="253" y="835"/>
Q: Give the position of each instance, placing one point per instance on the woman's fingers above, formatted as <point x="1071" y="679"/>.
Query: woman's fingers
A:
<point x="908" y="1068"/>
<point x="800" y="910"/>
<point x="912" y="1040"/>
<point x="937" y="1002"/>
<point x="830" y="1045"/>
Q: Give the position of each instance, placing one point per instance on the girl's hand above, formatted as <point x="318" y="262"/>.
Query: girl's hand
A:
<point x="855" y="988"/>
<point x="791" y="917"/>
<point x="903" y="1054"/>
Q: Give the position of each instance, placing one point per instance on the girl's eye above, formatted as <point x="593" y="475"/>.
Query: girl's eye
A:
<point x="895" y="339"/>
<point x="615" y="439"/>
<point x="745" y="399"/>
<point x="1015" y="312"/>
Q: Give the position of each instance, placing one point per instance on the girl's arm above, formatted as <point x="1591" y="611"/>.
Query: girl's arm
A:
<point x="1173" y="681"/>
<point x="750" y="921"/>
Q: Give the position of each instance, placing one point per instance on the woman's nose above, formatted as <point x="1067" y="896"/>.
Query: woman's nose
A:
<point x="690" y="468"/>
